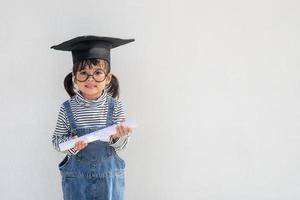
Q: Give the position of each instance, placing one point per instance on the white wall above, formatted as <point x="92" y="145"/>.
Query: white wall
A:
<point x="214" y="86"/>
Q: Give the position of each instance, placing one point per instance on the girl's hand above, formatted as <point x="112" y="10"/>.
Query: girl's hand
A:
<point x="121" y="131"/>
<point x="79" y="145"/>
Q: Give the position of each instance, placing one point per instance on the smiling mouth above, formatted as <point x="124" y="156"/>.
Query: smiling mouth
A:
<point x="90" y="86"/>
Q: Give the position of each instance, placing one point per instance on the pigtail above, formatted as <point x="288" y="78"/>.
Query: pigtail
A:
<point x="68" y="83"/>
<point x="113" y="87"/>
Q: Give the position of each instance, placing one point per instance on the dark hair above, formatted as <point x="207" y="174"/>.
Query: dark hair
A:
<point x="113" y="87"/>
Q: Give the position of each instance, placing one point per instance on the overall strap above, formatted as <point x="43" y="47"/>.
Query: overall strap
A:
<point x="70" y="116"/>
<point x="111" y="105"/>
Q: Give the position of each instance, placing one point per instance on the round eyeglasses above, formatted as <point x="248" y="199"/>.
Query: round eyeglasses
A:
<point x="98" y="76"/>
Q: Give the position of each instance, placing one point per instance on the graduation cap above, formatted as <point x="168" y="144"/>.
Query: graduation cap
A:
<point x="90" y="46"/>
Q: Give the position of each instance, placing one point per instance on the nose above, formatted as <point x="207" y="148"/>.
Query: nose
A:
<point x="90" y="77"/>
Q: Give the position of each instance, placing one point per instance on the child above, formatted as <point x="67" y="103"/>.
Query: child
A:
<point x="94" y="170"/>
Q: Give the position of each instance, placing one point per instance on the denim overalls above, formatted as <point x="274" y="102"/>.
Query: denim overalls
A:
<point x="96" y="172"/>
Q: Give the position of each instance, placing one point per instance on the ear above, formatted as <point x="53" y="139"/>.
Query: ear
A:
<point x="74" y="79"/>
<point x="108" y="79"/>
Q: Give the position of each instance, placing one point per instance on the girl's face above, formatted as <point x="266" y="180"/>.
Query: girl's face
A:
<point x="90" y="88"/>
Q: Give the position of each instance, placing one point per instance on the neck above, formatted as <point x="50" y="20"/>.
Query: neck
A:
<point x="91" y="97"/>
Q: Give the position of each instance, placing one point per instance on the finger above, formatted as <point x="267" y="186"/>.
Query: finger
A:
<point x="117" y="128"/>
<point x="82" y="144"/>
<point x="122" y="129"/>
<point x="125" y="130"/>
<point x="76" y="147"/>
<point x="79" y="145"/>
<point x="119" y="131"/>
<point x="129" y="130"/>
<point x="85" y="144"/>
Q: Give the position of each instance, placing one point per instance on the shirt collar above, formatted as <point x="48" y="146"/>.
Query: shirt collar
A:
<point x="80" y="99"/>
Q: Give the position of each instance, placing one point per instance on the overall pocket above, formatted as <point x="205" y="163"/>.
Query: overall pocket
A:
<point x="120" y="160"/>
<point x="64" y="162"/>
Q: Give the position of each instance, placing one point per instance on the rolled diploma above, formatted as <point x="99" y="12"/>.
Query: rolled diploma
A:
<point x="103" y="135"/>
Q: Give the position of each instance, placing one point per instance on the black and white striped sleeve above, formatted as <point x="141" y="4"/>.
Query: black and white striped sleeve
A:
<point x="61" y="133"/>
<point x="118" y="117"/>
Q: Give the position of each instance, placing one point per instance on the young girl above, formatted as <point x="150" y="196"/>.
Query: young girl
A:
<point x="94" y="170"/>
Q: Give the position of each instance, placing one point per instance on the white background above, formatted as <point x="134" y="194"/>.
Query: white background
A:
<point x="214" y="86"/>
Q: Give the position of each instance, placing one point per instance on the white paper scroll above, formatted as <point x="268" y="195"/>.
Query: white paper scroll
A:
<point x="103" y="135"/>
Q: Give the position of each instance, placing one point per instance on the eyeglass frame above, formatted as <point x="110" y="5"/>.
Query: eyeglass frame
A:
<point x="92" y="75"/>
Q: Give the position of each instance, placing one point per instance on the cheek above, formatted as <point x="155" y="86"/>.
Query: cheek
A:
<point x="80" y="84"/>
<point x="101" y="86"/>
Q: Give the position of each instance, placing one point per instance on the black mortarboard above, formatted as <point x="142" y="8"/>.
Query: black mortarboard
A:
<point x="90" y="46"/>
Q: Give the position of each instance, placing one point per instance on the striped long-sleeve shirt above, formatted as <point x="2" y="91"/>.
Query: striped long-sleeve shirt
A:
<point x="88" y="113"/>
